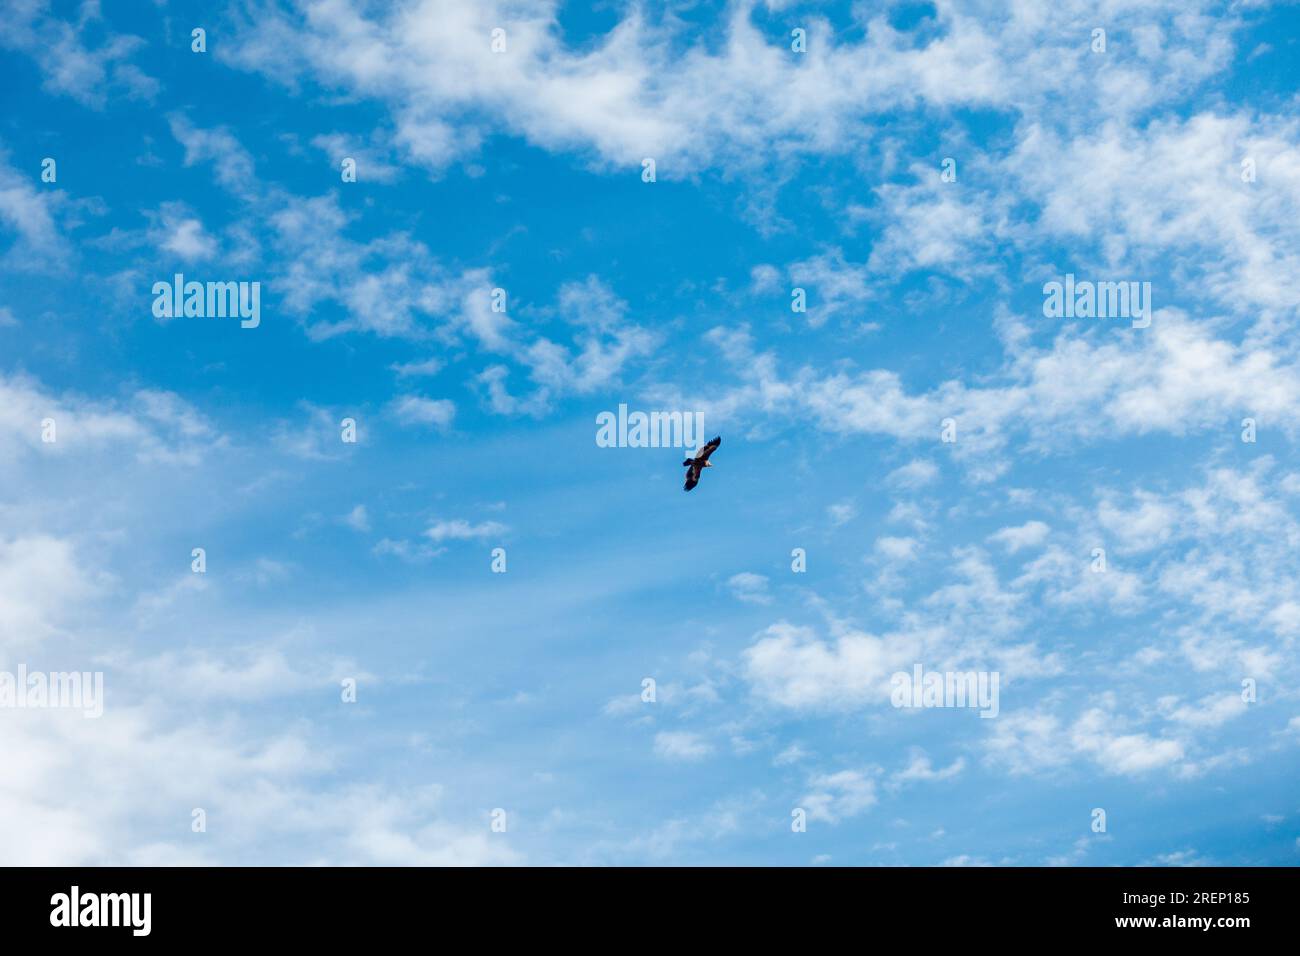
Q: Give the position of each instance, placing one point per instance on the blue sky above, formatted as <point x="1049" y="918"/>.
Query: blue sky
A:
<point x="522" y="691"/>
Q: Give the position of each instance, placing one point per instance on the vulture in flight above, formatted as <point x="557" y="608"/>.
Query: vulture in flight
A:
<point x="694" y="466"/>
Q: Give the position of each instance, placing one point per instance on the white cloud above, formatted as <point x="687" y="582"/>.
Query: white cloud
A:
<point x="119" y="789"/>
<point x="795" y="753"/>
<point x="920" y="770"/>
<point x="409" y="551"/>
<point x="1147" y="526"/>
<point x="231" y="163"/>
<point x="461" y="530"/>
<point x="32" y="215"/>
<point x="681" y="745"/>
<point x="749" y="587"/>
<point x="419" y="410"/>
<point x="1070" y="579"/>
<point x="897" y="549"/>
<point x="790" y="667"/>
<point x="71" y="62"/>
<point x="430" y="366"/>
<point x="318" y="437"/>
<point x="182" y="234"/>
<point x="1028" y="535"/>
<point x="1032" y="741"/>
<point x="834" y="287"/>
<point x="372" y="166"/>
<point x="156" y="426"/>
<point x="43" y="579"/>
<point x="643" y="89"/>
<point x="83" y="793"/>
<point x="1210" y="711"/>
<point x="249" y="673"/>
<point x="357" y="519"/>
<point x="833" y="797"/>
<point x="1121" y="753"/>
<point x="915" y="474"/>
<point x="842" y="512"/>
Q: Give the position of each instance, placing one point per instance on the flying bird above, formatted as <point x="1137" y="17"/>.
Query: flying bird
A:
<point x="694" y="466"/>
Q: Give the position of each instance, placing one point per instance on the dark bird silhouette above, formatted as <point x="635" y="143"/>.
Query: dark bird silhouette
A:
<point x="694" y="466"/>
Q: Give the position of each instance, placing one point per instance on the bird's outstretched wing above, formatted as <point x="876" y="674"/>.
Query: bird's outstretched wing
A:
<point x="692" y="476"/>
<point x="704" y="453"/>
